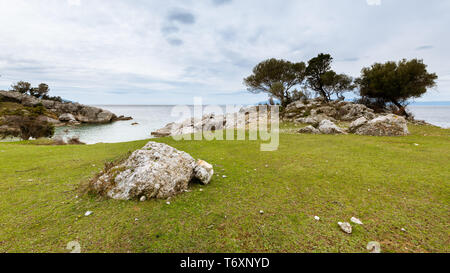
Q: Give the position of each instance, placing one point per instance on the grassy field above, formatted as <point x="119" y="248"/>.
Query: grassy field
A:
<point x="389" y="183"/>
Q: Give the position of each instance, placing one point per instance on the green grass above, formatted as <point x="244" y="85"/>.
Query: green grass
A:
<point x="327" y="176"/>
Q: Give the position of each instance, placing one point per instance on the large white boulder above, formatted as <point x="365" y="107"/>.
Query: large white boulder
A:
<point x="389" y="125"/>
<point x="155" y="171"/>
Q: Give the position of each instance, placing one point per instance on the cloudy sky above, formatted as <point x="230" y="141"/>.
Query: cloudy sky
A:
<point x="167" y="52"/>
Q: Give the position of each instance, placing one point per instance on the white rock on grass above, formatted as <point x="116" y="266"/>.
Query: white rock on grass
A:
<point x="261" y="212"/>
<point x="374" y="247"/>
<point x="203" y="171"/>
<point x="88" y="213"/>
<point x="317" y="218"/>
<point x="346" y="227"/>
<point x="143" y="198"/>
<point x="155" y="171"/>
<point x="356" y="221"/>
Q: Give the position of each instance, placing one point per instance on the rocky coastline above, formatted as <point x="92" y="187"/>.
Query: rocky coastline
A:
<point x="63" y="113"/>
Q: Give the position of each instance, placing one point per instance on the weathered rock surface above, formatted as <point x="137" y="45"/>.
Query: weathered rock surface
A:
<point x="329" y="128"/>
<point x="204" y="172"/>
<point x="309" y="130"/>
<point x="314" y="111"/>
<point x="389" y="125"/>
<point x="155" y="171"/>
<point x="66" y="117"/>
<point x="346" y="227"/>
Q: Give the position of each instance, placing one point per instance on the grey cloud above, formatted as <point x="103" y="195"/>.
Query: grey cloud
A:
<point x="169" y="29"/>
<point x="175" y="41"/>
<point x="221" y="2"/>
<point x="183" y="17"/>
<point x="353" y="59"/>
<point x="425" y="47"/>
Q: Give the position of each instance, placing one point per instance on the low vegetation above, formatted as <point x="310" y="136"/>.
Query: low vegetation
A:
<point x="399" y="187"/>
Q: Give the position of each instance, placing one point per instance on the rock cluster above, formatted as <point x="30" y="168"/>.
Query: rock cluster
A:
<point x="314" y="111"/>
<point x="155" y="171"/>
<point x="211" y="122"/>
<point x="322" y="117"/>
<point x="389" y="125"/>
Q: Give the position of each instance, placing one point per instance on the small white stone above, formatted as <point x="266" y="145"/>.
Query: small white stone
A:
<point x="403" y="229"/>
<point x="317" y="218"/>
<point x="88" y="213"/>
<point x="346" y="227"/>
<point x="261" y="212"/>
<point x="168" y="203"/>
<point x="136" y="219"/>
<point x="356" y="221"/>
<point x="143" y="198"/>
<point x="224" y="176"/>
<point x="374" y="247"/>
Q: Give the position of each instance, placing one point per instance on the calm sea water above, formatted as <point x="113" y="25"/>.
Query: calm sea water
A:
<point x="151" y="118"/>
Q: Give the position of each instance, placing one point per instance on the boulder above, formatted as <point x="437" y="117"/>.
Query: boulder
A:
<point x="30" y="101"/>
<point x="351" y="112"/>
<point x="329" y="128"/>
<point x="48" y="120"/>
<point x="309" y="130"/>
<point x="357" y="124"/>
<point x="389" y="125"/>
<point x="66" y="117"/>
<point x="12" y="96"/>
<point x="104" y="116"/>
<point x="163" y="132"/>
<point x="155" y="171"/>
<point x="204" y="172"/>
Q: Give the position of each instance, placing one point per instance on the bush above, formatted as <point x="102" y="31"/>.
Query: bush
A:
<point x="28" y="126"/>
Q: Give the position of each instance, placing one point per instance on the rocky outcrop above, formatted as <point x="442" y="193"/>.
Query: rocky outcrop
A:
<point x="155" y="171"/>
<point x="389" y="125"/>
<point x="211" y="122"/>
<point x="81" y="113"/>
<point x="314" y="111"/>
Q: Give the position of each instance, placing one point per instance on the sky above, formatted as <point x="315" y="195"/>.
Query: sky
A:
<point x="168" y="52"/>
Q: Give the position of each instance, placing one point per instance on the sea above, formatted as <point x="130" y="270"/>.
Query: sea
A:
<point x="152" y="117"/>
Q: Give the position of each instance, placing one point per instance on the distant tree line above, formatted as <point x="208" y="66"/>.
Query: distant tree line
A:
<point x="379" y="85"/>
<point x="42" y="91"/>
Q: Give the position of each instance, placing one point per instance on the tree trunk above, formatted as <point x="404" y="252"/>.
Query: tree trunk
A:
<point x="401" y="108"/>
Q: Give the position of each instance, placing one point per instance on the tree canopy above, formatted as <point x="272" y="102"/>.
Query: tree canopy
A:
<point x="396" y="82"/>
<point x="22" y="87"/>
<point x="325" y="81"/>
<point x="277" y="78"/>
